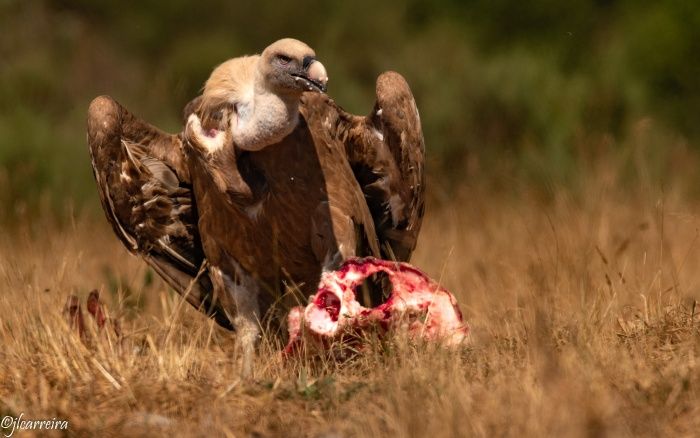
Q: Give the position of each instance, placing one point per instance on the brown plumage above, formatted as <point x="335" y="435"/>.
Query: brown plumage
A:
<point x="144" y="186"/>
<point x="337" y="186"/>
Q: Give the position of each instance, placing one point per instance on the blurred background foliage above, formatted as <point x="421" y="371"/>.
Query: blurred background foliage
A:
<point x="509" y="92"/>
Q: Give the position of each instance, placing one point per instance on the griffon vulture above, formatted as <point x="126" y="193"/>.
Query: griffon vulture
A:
<point x="271" y="183"/>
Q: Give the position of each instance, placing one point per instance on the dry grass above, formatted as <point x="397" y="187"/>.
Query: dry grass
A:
<point x="582" y="311"/>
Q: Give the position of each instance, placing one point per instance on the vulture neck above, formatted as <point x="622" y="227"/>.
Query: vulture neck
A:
<point x="266" y="118"/>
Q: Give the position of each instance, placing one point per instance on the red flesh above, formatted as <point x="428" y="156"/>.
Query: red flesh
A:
<point x="417" y="305"/>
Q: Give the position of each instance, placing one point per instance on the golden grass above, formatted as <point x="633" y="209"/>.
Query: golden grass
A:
<point x="582" y="311"/>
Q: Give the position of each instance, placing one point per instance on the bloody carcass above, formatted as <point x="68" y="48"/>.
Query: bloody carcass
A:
<point x="416" y="305"/>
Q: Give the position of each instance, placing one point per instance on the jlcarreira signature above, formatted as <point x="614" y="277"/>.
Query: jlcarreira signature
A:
<point x="10" y="424"/>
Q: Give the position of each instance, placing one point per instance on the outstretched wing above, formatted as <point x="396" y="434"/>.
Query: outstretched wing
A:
<point x="143" y="183"/>
<point x="386" y="152"/>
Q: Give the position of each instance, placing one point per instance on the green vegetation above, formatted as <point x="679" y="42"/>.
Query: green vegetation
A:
<point x="535" y="90"/>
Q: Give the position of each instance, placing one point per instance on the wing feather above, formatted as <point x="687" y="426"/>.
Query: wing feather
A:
<point x="386" y="151"/>
<point x="144" y="190"/>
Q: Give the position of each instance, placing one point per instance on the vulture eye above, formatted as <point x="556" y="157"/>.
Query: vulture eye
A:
<point x="283" y="59"/>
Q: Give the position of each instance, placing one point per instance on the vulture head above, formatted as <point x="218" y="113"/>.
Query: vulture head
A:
<point x="289" y="66"/>
<point x="263" y="91"/>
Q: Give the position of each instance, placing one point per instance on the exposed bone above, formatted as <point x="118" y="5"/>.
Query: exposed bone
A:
<point x="417" y="306"/>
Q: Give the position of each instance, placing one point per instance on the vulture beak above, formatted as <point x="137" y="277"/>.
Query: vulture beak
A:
<point x="313" y="74"/>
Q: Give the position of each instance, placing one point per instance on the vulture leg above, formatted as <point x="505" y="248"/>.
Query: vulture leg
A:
<point x="243" y="291"/>
<point x="213" y="155"/>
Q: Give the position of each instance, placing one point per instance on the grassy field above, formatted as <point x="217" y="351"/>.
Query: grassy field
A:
<point x="582" y="307"/>
<point x="563" y="155"/>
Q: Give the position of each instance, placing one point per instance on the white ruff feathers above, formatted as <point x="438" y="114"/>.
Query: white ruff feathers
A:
<point x="212" y="144"/>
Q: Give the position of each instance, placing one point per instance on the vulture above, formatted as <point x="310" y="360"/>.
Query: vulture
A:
<point x="270" y="184"/>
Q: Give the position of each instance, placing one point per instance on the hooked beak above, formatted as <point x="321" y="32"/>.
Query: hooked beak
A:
<point x="313" y="75"/>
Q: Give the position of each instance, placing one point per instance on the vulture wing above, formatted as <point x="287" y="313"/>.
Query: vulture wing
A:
<point x="386" y="152"/>
<point x="143" y="182"/>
